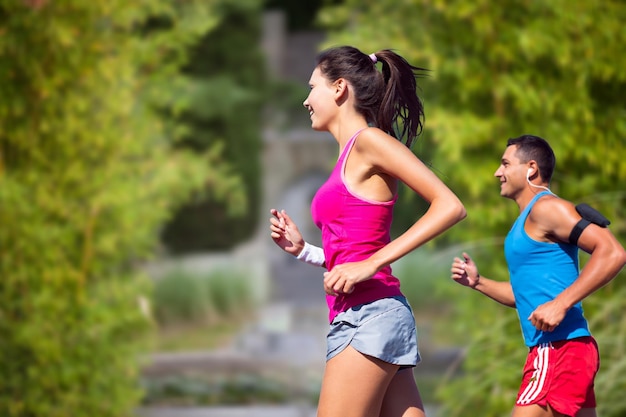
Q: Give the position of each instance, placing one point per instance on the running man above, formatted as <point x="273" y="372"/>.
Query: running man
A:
<point x="546" y="286"/>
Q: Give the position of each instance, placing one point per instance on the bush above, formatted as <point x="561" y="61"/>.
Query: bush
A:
<point x="229" y="293"/>
<point x="87" y="176"/>
<point x="227" y="66"/>
<point x="419" y="273"/>
<point x="182" y="297"/>
<point x="204" y="391"/>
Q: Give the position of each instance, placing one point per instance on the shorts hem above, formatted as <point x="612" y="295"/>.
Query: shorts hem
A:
<point x="383" y="330"/>
<point x="401" y="363"/>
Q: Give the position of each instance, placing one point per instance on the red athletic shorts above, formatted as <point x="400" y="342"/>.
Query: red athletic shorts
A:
<point x="561" y="374"/>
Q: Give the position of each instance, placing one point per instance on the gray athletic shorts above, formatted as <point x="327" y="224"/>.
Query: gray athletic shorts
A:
<point x="384" y="329"/>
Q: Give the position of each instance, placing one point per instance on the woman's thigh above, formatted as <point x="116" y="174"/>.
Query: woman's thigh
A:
<point x="402" y="398"/>
<point x="354" y="385"/>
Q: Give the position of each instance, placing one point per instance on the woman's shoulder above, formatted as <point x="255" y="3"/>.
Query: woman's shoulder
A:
<point x="373" y="138"/>
<point x="378" y="149"/>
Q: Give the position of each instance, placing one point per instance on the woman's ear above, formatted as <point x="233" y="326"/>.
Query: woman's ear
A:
<point x="341" y="89"/>
<point x="340" y="86"/>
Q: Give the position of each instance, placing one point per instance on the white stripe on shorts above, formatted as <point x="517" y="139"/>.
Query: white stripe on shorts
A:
<point x="534" y="387"/>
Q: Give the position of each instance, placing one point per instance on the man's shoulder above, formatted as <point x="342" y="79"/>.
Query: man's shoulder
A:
<point x="554" y="216"/>
<point x="550" y="203"/>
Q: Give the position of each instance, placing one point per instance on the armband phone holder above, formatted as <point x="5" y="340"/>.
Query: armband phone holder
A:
<point x="589" y="215"/>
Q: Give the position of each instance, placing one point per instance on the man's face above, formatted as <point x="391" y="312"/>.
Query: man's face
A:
<point x="511" y="173"/>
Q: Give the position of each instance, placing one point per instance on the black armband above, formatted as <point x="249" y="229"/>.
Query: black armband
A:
<point x="589" y="215"/>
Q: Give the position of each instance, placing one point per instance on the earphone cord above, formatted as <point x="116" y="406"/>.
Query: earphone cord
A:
<point x="537" y="186"/>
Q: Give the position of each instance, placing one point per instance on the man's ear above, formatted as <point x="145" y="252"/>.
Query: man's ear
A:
<point x="533" y="169"/>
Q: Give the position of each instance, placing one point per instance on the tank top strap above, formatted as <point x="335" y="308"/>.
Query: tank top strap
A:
<point x="532" y="202"/>
<point x="349" y="145"/>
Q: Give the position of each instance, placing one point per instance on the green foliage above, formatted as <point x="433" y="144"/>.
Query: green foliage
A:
<point x="419" y="273"/>
<point x="87" y="176"/>
<point x="490" y="333"/>
<point x="181" y="297"/>
<point x="605" y="311"/>
<point x="227" y="87"/>
<point x="231" y="390"/>
<point x="499" y="70"/>
<point x="229" y="293"/>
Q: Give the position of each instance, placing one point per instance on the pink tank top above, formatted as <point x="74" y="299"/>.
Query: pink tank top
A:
<point x="353" y="229"/>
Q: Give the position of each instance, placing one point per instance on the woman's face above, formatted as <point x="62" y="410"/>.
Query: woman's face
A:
<point x="321" y="102"/>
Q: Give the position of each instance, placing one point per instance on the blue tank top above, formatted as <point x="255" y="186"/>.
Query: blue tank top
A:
<point x="539" y="271"/>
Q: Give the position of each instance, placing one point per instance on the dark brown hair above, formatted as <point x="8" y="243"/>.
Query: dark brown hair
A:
<point x="534" y="148"/>
<point x="386" y="98"/>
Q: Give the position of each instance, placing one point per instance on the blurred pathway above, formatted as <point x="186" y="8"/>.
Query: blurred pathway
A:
<point x="251" y="411"/>
<point x="287" y="340"/>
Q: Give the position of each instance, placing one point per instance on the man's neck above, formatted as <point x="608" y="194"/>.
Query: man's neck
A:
<point x="526" y="196"/>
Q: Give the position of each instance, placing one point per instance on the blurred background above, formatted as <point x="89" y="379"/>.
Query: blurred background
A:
<point x="143" y="143"/>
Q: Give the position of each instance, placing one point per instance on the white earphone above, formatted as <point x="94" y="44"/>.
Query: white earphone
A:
<point x="533" y="185"/>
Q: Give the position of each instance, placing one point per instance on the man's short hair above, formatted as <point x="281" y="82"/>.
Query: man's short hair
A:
<point x="531" y="147"/>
